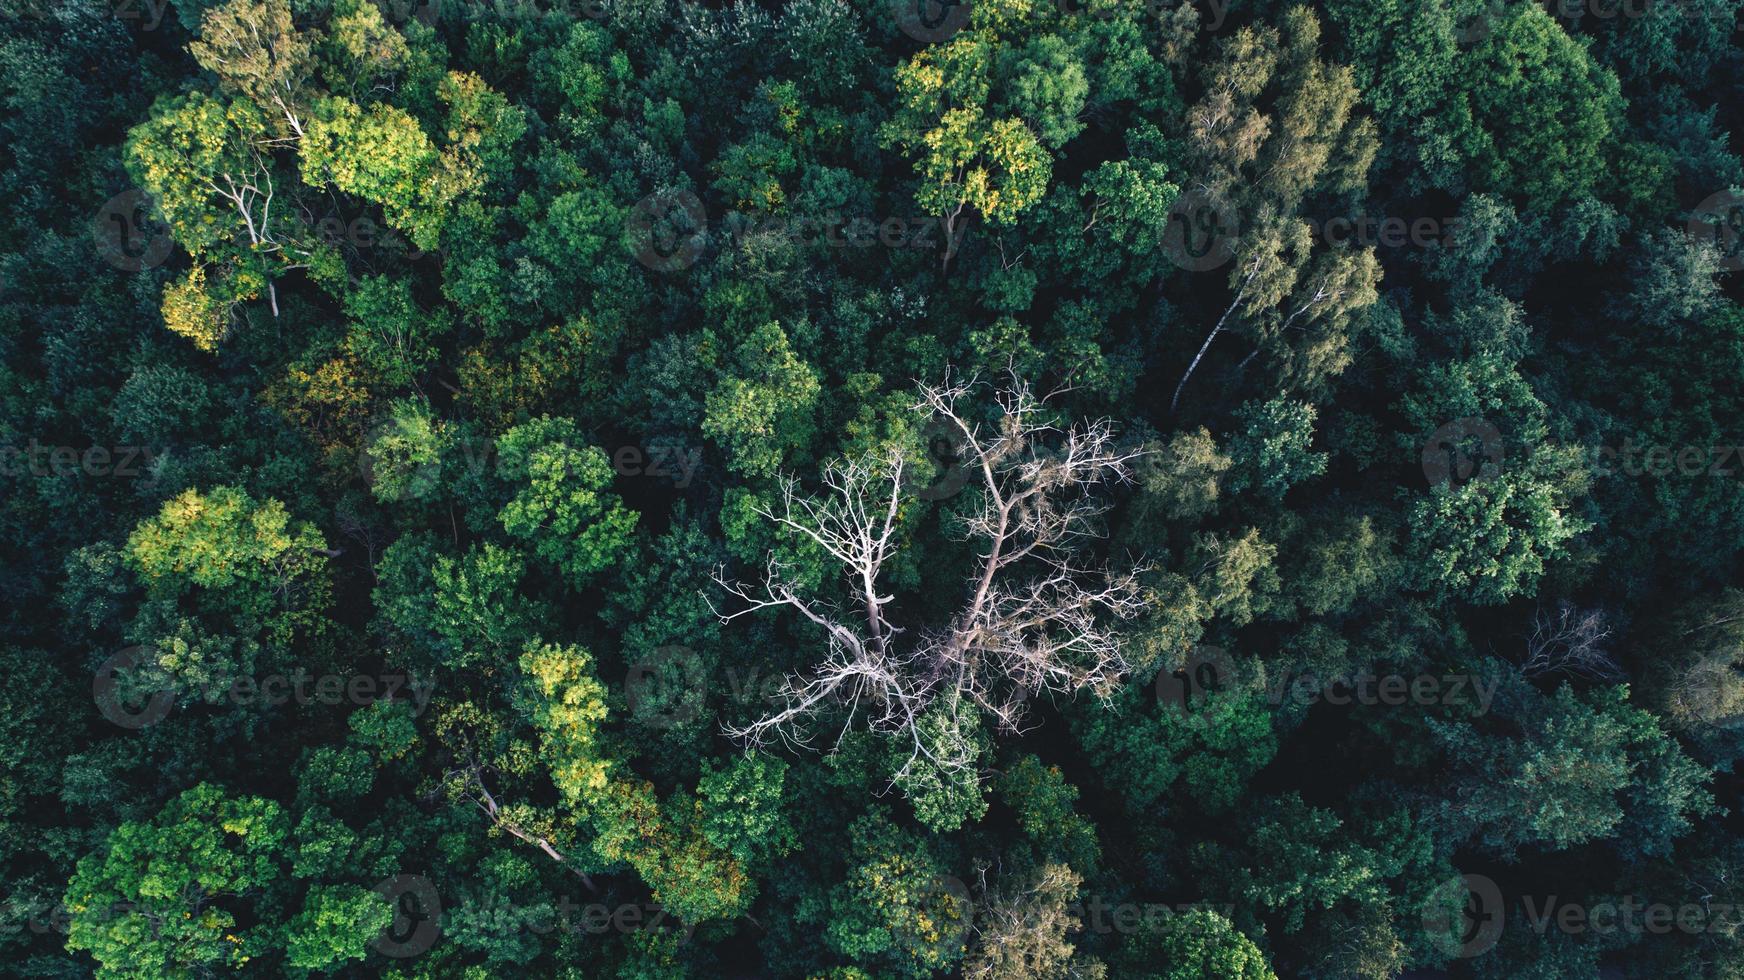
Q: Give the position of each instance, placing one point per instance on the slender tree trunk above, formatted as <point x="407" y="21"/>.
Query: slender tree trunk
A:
<point x="1176" y="401"/>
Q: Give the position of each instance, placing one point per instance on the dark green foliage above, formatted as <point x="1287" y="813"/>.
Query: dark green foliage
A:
<point x="428" y="429"/>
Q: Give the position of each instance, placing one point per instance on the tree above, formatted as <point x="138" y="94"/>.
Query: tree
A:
<point x="742" y="810"/>
<point x="208" y="166"/>
<point x="1490" y="537"/>
<point x="1529" y="77"/>
<point x="760" y="410"/>
<point x="1271" y="449"/>
<point x="225" y="543"/>
<point x="389" y="333"/>
<point x="1571" y="641"/>
<point x="1201" y="754"/>
<point x="382" y="155"/>
<point x="157" y="899"/>
<point x="1043" y="802"/>
<point x="1693" y="679"/>
<point x="336" y="924"/>
<point x="255" y="51"/>
<point x="1258" y="169"/>
<point x="1014" y="636"/>
<point x="1299" y="864"/>
<point x="568" y="706"/>
<point x="945" y="794"/>
<point x="897" y="910"/>
<point x="670" y="846"/>
<point x="1586" y="764"/>
<point x="978" y="118"/>
<point x="562" y="505"/>
<point x="1196" y="943"/>
<point x="1021" y="934"/>
<point x="455" y="612"/>
<point x="403" y="458"/>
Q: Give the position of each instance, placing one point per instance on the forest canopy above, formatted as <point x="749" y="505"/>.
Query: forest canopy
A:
<point x="871" y="489"/>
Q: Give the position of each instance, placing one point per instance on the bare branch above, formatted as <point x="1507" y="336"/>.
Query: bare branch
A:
<point x="1570" y="641"/>
<point x="1032" y="620"/>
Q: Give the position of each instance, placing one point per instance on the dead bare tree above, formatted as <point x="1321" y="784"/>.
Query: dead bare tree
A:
<point x="1570" y="641"/>
<point x="1033" y="618"/>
